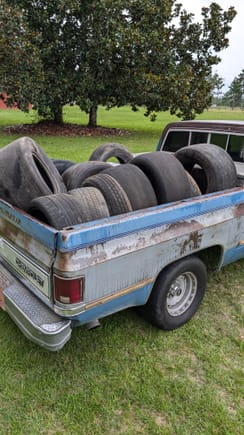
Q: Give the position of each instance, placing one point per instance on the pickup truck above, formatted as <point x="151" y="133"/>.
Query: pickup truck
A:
<point x="155" y="258"/>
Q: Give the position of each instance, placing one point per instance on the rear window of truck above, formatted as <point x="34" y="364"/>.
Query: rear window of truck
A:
<point x="233" y="144"/>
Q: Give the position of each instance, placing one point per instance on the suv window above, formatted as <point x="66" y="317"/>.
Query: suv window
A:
<point x="176" y="140"/>
<point x="199" y="137"/>
<point x="236" y="148"/>
<point x="219" y="139"/>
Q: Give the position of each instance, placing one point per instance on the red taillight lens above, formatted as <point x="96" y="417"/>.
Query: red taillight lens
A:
<point x="69" y="291"/>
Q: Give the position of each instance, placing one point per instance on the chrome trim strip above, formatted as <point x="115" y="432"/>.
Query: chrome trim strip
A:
<point x="74" y="310"/>
<point x="118" y="294"/>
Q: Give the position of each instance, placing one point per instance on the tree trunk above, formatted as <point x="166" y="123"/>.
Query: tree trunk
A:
<point x="58" y="114"/>
<point x="93" y="117"/>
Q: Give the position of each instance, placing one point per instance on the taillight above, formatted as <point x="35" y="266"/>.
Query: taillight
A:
<point x="69" y="291"/>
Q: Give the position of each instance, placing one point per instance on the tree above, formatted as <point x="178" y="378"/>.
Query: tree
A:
<point x="20" y="67"/>
<point x="148" y="54"/>
<point x="217" y="83"/>
<point x="234" y="97"/>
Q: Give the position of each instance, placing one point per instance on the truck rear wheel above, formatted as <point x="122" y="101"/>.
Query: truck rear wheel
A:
<point x="177" y="293"/>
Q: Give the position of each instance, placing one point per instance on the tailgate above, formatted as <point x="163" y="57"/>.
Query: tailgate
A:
<point x="27" y="249"/>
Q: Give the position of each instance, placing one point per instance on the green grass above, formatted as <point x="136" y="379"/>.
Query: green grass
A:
<point x="128" y="377"/>
<point x="144" y="134"/>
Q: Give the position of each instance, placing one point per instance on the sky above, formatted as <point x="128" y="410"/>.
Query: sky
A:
<point x="232" y="58"/>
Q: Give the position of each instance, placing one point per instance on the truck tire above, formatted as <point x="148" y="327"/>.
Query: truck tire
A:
<point x="62" y="165"/>
<point x="166" y="175"/>
<point x="176" y="294"/>
<point x="75" y="175"/>
<point x="136" y="185"/>
<point x="26" y="172"/>
<point x="59" y="210"/>
<point x="64" y="210"/>
<point x="200" y="178"/>
<point x="93" y="200"/>
<point x="115" y="196"/>
<point x="195" y="189"/>
<point x="217" y="165"/>
<point x="108" y="150"/>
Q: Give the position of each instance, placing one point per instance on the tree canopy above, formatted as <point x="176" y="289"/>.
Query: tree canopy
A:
<point x="147" y="53"/>
<point x="234" y="97"/>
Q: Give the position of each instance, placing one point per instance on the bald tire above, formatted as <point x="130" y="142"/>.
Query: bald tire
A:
<point x="195" y="189"/>
<point x="166" y="174"/>
<point x="26" y="172"/>
<point x="75" y="175"/>
<point x="218" y="167"/>
<point x="136" y="185"/>
<point x="106" y="151"/>
<point x="116" y="198"/>
<point x="200" y="178"/>
<point x="92" y="200"/>
<point x="62" y="165"/>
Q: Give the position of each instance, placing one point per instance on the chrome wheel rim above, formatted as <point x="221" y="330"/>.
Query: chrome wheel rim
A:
<point x="181" y="294"/>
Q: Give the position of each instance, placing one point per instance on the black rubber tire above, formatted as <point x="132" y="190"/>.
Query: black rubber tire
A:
<point x="93" y="200"/>
<point x="75" y="175"/>
<point x="200" y="178"/>
<point x="195" y="189"/>
<point x="26" y="172"/>
<point x="59" y="210"/>
<point x="108" y="150"/>
<point x="62" y="165"/>
<point x="166" y="175"/>
<point x="217" y="165"/>
<point x="136" y="185"/>
<point x="115" y="196"/>
<point x="157" y="309"/>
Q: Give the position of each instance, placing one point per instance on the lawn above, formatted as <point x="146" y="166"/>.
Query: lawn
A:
<point x="127" y="377"/>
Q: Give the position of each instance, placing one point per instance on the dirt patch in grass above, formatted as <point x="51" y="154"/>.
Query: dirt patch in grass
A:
<point x="47" y="128"/>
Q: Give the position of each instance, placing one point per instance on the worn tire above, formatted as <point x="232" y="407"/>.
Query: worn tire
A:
<point x="75" y="175"/>
<point x="218" y="167"/>
<point x="115" y="196"/>
<point x="108" y="150"/>
<point x="136" y="185"/>
<point x="62" y="165"/>
<point x="176" y="294"/>
<point x="93" y="200"/>
<point x="58" y="211"/>
<point x="200" y="178"/>
<point x="195" y="189"/>
<point x="26" y="172"/>
<point x="166" y="174"/>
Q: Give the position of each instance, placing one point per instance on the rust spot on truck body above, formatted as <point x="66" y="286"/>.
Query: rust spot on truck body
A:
<point x="192" y="243"/>
<point x="239" y="211"/>
<point x="12" y="233"/>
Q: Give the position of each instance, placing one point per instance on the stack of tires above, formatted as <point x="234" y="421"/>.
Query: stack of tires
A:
<point x="61" y="193"/>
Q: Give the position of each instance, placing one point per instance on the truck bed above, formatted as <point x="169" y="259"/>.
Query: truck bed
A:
<point x="118" y="258"/>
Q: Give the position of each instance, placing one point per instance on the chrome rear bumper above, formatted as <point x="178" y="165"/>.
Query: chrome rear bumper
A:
<point x="37" y="322"/>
